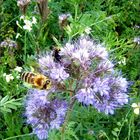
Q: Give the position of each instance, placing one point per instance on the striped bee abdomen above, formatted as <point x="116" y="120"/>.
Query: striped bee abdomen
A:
<point x="36" y="80"/>
<point x="28" y="77"/>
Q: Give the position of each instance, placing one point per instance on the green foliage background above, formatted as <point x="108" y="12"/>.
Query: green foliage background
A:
<point x="116" y="23"/>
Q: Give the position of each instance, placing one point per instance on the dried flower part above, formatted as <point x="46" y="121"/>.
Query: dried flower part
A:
<point x="23" y="4"/>
<point x="8" y="43"/>
<point x="63" y="19"/>
<point x="42" y="114"/>
<point x="43" y="9"/>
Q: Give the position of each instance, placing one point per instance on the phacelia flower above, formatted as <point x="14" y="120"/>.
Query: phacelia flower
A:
<point x="56" y="71"/>
<point x="101" y="85"/>
<point x="86" y="63"/>
<point x="42" y="114"/>
<point x="84" y="51"/>
<point x="8" y="43"/>
<point x="63" y="17"/>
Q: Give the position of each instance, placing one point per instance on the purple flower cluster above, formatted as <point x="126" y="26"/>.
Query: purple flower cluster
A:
<point x="100" y="85"/>
<point x="54" y="70"/>
<point x="105" y="94"/>
<point x="88" y="64"/>
<point x="42" y="114"/>
<point x="8" y="43"/>
<point x="87" y="71"/>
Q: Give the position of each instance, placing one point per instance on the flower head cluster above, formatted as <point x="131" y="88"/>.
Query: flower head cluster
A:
<point x="86" y="69"/>
<point x="42" y="114"/>
<point x="8" y="43"/>
<point x="56" y="71"/>
<point x="63" y="19"/>
<point x="88" y="64"/>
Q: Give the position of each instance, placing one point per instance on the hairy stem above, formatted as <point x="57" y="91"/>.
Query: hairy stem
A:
<point x="71" y="105"/>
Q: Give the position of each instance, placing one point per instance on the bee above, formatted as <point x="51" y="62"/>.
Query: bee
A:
<point x="56" y="55"/>
<point x="36" y="80"/>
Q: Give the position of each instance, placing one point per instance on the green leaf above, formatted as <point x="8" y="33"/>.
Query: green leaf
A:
<point x="3" y="100"/>
<point x="3" y="109"/>
<point x="11" y="106"/>
<point x="114" y="133"/>
<point x="116" y="129"/>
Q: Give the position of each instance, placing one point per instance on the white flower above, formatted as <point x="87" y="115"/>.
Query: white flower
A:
<point x="22" y="17"/>
<point x="8" y="77"/>
<point x="122" y="61"/>
<point x="136" y="108"/>
<point x="137" y="40"/>
<point x="88" y="30"/>
<point x="18" y="69"/>
<point x="4" y="74"/>
<point x="34" y="21"/>
<point x="28" y="25"/>
<point x="18" y="24"/>
<point x="18" y="77"/>
<point x="18" y="34"/>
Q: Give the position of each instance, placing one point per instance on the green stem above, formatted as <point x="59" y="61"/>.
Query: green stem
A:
<point x="24" y="135"/>
<point x="25" y="47"/>
<point x="123" y="124"/>
<point x="67" y="117"/>
<point x="76" y="11"/>
<point x="9" y="22"/>
<point x="103" y="20"/>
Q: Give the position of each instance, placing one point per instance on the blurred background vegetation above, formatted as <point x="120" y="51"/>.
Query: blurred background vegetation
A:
<point x="115" y="23"/>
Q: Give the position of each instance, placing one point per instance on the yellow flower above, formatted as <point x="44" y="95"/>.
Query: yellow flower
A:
<point x="136" y="108"/>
